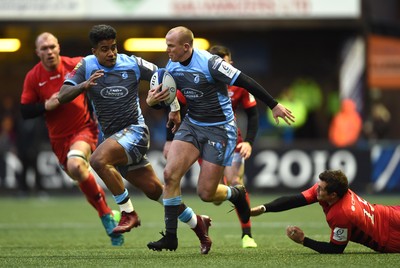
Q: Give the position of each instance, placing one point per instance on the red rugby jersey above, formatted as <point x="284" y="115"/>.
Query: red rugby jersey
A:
<point x="41" y="84"/>
<point x="241" y="96"/>
<point x="354" y="219"/>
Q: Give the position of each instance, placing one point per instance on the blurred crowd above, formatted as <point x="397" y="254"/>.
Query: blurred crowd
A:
<point x="23" y="139"/>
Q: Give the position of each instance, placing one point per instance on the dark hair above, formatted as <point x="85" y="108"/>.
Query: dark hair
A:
<point x="101" y="32"/>
<point x="336" y="181"/>
<point x="220" y="51"/>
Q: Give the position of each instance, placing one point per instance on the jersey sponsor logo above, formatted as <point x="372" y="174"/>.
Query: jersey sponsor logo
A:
<point x="114" y="92"/>
<point x="191" y="93"/>
<point x="340" y="234"/>
<point x="227" y="69"/>
<point x="55" y="76"/>
<point x="42" y="83"/>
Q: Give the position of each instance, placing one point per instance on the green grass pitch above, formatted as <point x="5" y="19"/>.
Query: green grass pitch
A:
<point x="66" y="232"/>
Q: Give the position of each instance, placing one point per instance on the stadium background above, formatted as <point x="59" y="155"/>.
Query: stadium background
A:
<point x="322" y="50"/>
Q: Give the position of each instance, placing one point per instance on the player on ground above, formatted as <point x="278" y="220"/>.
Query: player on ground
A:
<point x="111" y="81"/>
<point x="350" y="217"/>
<point x="208" y="131"/>
<point x="72" y="127"/>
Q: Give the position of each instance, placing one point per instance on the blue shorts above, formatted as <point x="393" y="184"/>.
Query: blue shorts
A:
<point x="136" y="141"/>
<point x="215" y="143"/>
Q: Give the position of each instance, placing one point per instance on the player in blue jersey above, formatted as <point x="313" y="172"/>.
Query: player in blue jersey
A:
<point x="111" y="81"/>
<point x="208" y="131"/>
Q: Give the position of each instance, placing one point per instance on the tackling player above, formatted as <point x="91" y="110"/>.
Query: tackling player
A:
<point x="350" y="217"/>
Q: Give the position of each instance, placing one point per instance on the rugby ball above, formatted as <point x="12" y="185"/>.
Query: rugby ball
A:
<point x="164" y="77"/>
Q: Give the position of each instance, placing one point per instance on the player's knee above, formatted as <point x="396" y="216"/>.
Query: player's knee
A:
<point x="206" y="196"/>
<point x="167" y="174"/>
<point x="153" y="190"/>
<point x="77" y="164"/>
<point x="170" y="179"/>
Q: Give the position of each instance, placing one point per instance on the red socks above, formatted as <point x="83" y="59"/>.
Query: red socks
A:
<point x="95" y="195"/>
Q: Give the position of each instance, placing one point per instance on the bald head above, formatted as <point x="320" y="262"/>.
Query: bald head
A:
<point x="44" y="37"/>
<point x="183" y="35"/>
<point x="48" y="50"/>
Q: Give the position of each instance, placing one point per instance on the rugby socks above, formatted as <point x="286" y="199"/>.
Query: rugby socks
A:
<point x="188" y="217"/>
<point x="233" y="193"/>
<point x="186" y="214"/>
<point x="229" y="193"/>
<point x="95" y="195"/>
<point x="171" y="208"/>
<point x="124" y="202"/>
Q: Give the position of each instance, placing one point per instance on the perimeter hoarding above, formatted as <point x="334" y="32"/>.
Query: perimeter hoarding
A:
<point x="17" y="10"/>
<point x="373" y="169"/>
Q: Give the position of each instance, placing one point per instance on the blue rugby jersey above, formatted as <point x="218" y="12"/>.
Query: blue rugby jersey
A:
<point x="115" y="97"/>
<point x="203" y="83"/>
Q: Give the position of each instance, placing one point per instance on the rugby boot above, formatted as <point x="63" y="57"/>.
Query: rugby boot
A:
<point x="167" y="242"/>
<point x="127" y="222"/>
<point x="109" y="224"/>
<point x="201" y="230"/>
<point x="248" y="242"/>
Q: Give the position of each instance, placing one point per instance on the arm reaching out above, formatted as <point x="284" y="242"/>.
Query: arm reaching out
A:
<point x="257" y="90"/>
<point x="280" y="204"/>
<point x="69" y="92"/>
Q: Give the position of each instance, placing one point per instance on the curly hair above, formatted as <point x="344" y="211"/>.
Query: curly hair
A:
<point x="101" y="32"/>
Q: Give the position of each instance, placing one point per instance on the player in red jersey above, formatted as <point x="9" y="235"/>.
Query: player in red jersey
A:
<point x="350" y="217"/>
<point x="234" y="174"/>
<point x="72" y="128"/>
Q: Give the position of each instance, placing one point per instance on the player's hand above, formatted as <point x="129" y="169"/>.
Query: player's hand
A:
<point x="245" y="149"/>
<point x="155" y="96"/>
<point x="174" y="121"/>
<point x="257" y="210"/>
<point x="295" y="233"/>
<point x="92" y="80"/>
<point x="52" y="103"/>
<point x="281" y="111"/>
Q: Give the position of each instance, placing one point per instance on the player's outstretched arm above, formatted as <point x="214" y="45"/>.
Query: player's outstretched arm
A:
<point x="280" y="204"/>
<point x="261" y="93"/>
